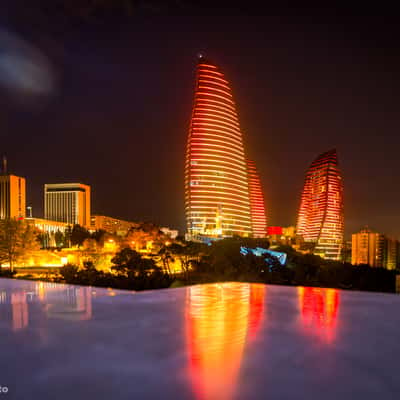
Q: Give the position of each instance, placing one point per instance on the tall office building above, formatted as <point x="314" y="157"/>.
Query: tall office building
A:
<point x="321" y="219"/>
<point x="12" y="195"/>
<point x="257" y="204"/>
<point x="368" y="247"/>
<point x="67" y="202"/>
<point x="216" y="180"/>
<point x="392" y="253"/>
<point x="374" y="249"/>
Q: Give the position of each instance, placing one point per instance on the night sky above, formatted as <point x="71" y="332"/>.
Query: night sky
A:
<point x="110" y="100"/>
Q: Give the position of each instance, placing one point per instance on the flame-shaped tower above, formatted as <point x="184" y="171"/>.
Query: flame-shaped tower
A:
<point x="257" y="204"/>
<point x="216" y="180"/>
<point x="321" y="219"/>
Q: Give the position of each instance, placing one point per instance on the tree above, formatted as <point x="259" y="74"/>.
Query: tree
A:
<point x="78" y="235"/>
<point x="166" y="257"/>
<point x="44" y="239"/>
<point x="137" y="272"/>
<point x="29" y="241"/>
<point x="131" y="263"/>
<point x="145" y="236"/>
<point x="188" y="253"/>
<point x="70" y="274"/>
<point x="99" y="236"/>
<point x="60" y="239"/>
<point x="17" y="240"/>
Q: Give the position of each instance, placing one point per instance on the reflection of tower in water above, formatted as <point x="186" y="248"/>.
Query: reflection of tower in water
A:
<point x="257" y="295"/>
<point x="319" y="310"/>
<point x="72" y="303"/>
<point x="218" y="319"/>
<point x="19" y="310"/>
<point x="42" y="301"/>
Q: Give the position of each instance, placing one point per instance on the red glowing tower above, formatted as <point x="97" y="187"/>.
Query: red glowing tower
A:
<point x="257" y="205"/>
<point x="216" y="181"/>
<point x="321" y="220"/>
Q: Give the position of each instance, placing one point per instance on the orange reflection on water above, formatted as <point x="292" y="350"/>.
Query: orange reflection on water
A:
<point x="319" y="310"/>
<point x="257" y="296"/>
<point x="218" y="319"/>
<point x="19" y="310"/>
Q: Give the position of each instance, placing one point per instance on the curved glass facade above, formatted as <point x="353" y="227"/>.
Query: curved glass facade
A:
<point x="257" y="204"/>
<point x="321" y="218"/>
<point x="216" y="181"/>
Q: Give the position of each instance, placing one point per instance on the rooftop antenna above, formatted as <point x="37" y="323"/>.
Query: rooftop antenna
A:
<point x="4" y="165"/>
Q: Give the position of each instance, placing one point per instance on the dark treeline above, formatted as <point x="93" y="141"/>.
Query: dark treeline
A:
<point x="222" y="261"/>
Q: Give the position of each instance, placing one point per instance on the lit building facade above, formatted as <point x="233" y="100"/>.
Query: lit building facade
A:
<point x="368" y="247"/>
<point x="110" y="224"/>
<point x="374" y="249"/>
<point x="67" y="202"/>
<point x="12" y="197"/>
<point x="216" y="180"/>
<point x="49" y="228"/>
<point x="45" y="225"/>
<point x="321" y="219"/>
<point x="278" y="235"/>
<point x="392" y="259"/>
<point x="257" y="202"/>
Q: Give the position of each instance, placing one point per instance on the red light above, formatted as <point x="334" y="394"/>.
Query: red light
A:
<point x="275" y="230"/>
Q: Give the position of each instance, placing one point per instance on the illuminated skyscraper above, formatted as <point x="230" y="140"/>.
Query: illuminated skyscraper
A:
<point x="368" y="247"/>
<point x="257" y="205"/>
<point x="67" y="202"/>
<point x="216" y="181"/>
<point x="12" y="194"/>
<point x="374" y="249"/>
<point x="12" y="197"/>
<point x="321" y="220"/>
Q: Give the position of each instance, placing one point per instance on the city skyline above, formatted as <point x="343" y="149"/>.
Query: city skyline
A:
<point x="306" y="88"/>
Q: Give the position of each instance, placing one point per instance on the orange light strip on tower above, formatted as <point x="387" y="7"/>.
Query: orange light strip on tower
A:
<point x="321" y="219"/>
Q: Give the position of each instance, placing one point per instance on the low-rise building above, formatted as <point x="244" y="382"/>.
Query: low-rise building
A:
<point x="110" y="224"/>
<point x="281" y="235"/>
<point x="50" y="229"/>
